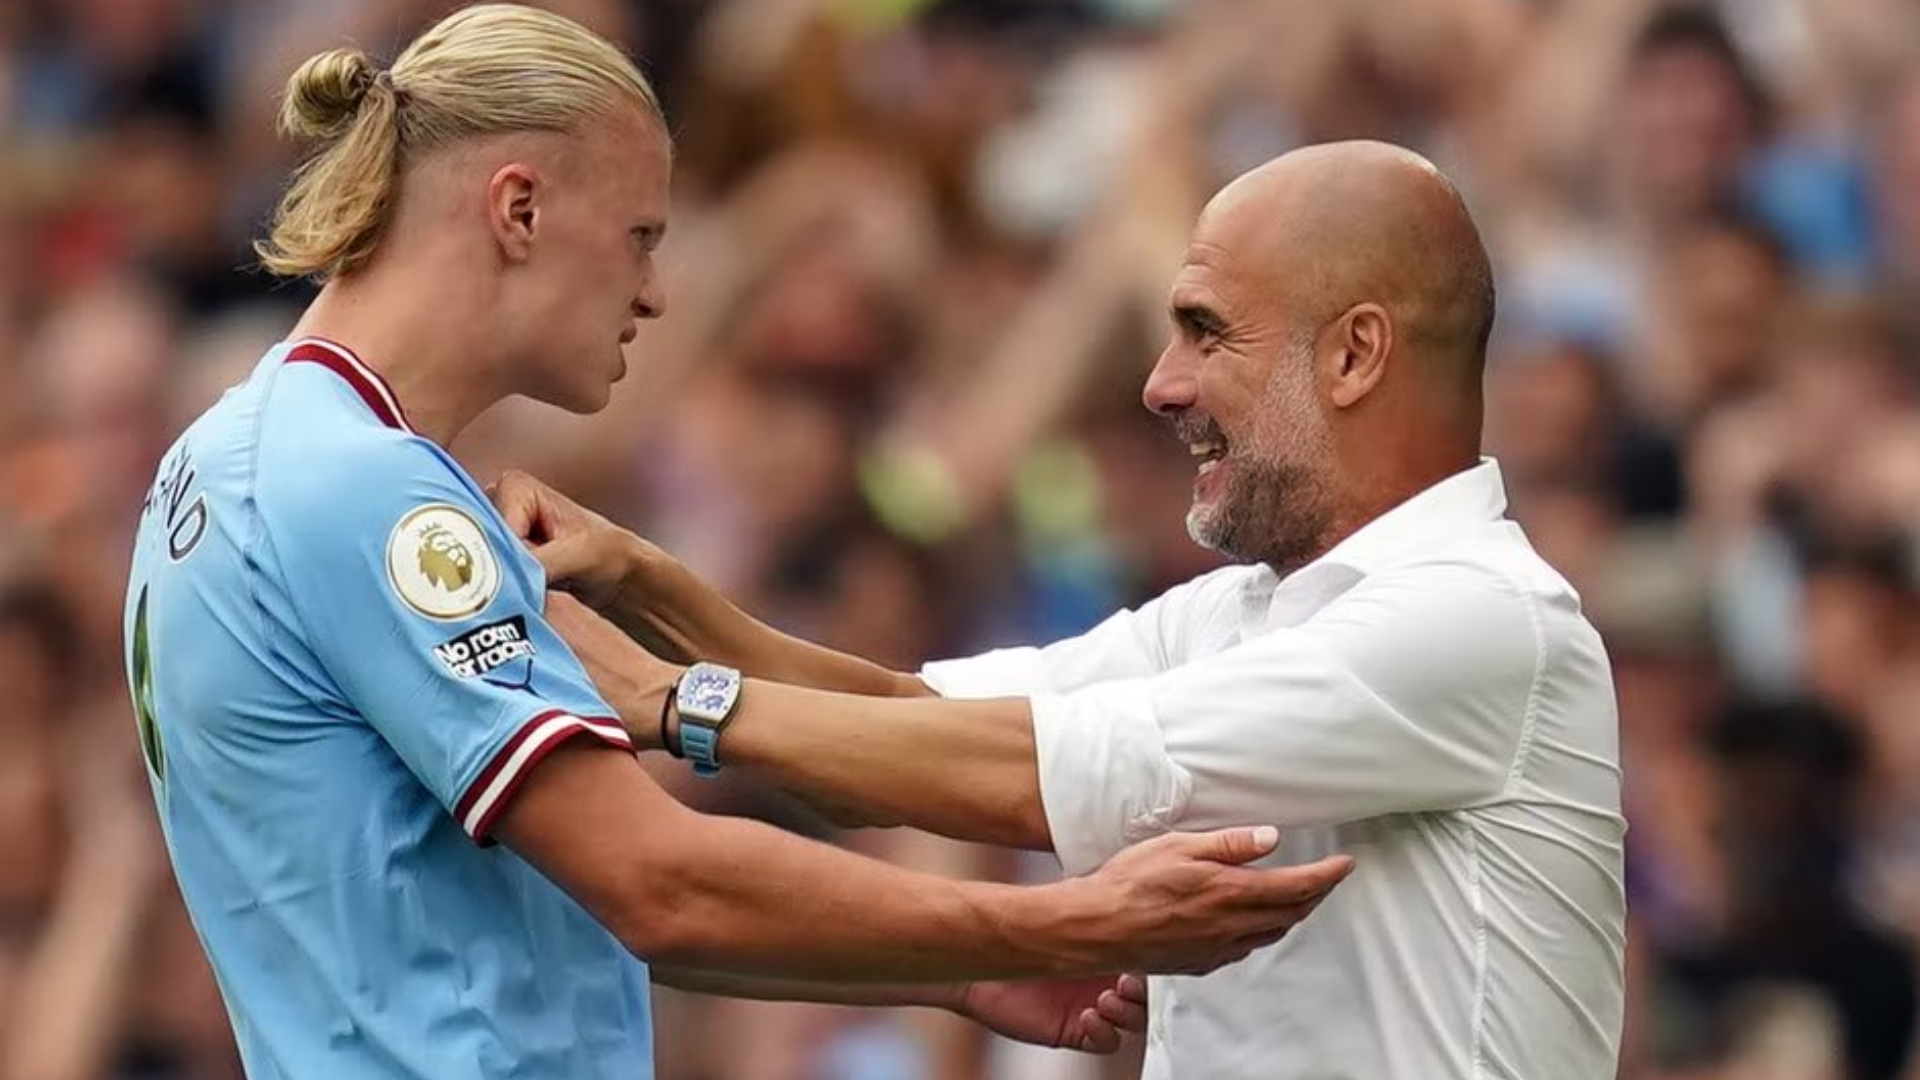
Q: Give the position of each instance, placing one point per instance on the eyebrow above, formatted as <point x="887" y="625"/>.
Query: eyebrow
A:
<point x="650" y="233"/>
<point x="1196" y="318"/>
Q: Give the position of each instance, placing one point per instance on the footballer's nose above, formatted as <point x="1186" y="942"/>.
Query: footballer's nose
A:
<point x="651" y="301"/>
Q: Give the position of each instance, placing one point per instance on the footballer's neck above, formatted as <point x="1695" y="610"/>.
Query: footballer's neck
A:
<point x="410" y="329"/>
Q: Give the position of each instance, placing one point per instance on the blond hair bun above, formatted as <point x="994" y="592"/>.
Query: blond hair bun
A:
<point x="326" y="93"/>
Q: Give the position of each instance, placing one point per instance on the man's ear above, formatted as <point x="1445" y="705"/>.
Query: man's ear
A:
<point x="1362" y="341"/>
<point x="512" y="209"/>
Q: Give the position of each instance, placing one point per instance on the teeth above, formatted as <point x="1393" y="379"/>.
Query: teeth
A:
<point x="1205" y="449"/>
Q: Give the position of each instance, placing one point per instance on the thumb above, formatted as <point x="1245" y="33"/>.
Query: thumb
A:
<point x="519" y="507"/>
<point x="1236" y="846"/>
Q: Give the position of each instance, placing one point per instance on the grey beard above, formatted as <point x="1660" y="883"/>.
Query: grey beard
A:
<point x="1270" y="513"/>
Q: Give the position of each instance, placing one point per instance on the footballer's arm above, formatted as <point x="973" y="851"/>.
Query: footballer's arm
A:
<point x="967" y="769"/>
<point x="689" y="890"/>
<point x="845" y="748"/>
<point x="662" y="605"/>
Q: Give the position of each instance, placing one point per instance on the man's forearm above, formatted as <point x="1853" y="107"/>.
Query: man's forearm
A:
<point x="684" y="889"/>
<point x="965" y="769"/>
<point x="690" y="890"/>
<point x="726" y="984"/>
<point x="681" y="618"/>
<point x="734" y="900"/>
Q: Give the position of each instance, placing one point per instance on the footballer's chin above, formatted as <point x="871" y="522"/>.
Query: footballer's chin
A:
<point x="593" y="394"/>
<point x="595" y="404"/>
<point x="579" y="396"/>
<point x="593" y="399"/>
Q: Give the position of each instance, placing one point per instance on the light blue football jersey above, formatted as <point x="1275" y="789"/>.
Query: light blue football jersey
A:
<point x="341" y="672"/>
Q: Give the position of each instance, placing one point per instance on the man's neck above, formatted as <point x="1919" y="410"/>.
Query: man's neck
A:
<point x="402" y="330"/>
<point x="1364" y="499"/>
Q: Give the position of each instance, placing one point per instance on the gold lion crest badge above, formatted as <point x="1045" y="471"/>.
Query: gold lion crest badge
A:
<point x="439" y="562"/>
<point x="444" y="560"/>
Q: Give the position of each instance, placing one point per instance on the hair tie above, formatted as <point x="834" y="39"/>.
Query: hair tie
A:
<point x="384" y="80"/>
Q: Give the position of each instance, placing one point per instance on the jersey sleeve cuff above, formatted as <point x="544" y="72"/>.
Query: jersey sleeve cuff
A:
<point x="514" y="761"/>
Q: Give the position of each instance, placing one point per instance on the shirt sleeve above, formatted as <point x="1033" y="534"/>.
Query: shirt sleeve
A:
<point x="427" y="616"/>
<point x="1130" y="644"/>
<point x="1410" y="694"/>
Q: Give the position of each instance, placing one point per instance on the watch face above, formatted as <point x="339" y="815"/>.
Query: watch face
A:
<point x="708" y="692"/>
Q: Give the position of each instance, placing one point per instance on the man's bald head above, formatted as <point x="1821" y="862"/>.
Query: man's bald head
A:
<point x="1326" y="227"/>
<point x="1331" y="320"/>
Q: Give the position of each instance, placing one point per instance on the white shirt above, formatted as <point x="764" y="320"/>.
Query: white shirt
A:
<point x="1426" y="697"/>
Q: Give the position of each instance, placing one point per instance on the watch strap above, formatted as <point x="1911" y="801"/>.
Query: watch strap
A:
<point x="700" y="744"/>
<point x="667" y="742"/>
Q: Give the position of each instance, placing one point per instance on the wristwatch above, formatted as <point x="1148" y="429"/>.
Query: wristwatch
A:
<point x="705" y="698"/>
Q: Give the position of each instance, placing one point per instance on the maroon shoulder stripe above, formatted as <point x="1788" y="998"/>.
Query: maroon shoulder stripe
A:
<point x="365" y="381"/>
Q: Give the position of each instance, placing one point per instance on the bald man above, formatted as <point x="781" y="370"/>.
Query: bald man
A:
<point x="1390" y="671"/>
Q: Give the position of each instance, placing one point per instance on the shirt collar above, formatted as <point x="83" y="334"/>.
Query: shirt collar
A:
<point x="1473" y="496"/>
<point x="366" y="382"/>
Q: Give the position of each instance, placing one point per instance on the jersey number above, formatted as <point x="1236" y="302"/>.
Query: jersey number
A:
<point x="143" y="692"/>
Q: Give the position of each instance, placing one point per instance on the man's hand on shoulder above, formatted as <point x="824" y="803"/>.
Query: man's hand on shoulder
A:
<point x="583" y="553"/>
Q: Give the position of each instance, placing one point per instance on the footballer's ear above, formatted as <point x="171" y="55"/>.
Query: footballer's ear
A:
<point x="513" y="209"/>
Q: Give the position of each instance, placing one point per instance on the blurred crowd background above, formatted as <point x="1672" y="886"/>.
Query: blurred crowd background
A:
<point x="916" y="277"/>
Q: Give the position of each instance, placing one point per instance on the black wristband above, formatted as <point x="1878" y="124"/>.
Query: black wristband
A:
<point x="671" y="746"/>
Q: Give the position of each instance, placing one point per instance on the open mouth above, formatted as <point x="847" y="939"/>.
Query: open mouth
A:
<point x="1208" y="453"/>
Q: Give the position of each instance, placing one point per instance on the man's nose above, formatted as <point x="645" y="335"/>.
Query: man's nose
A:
<point x="651" y="301"/>
<point x="1173" y="382"/>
